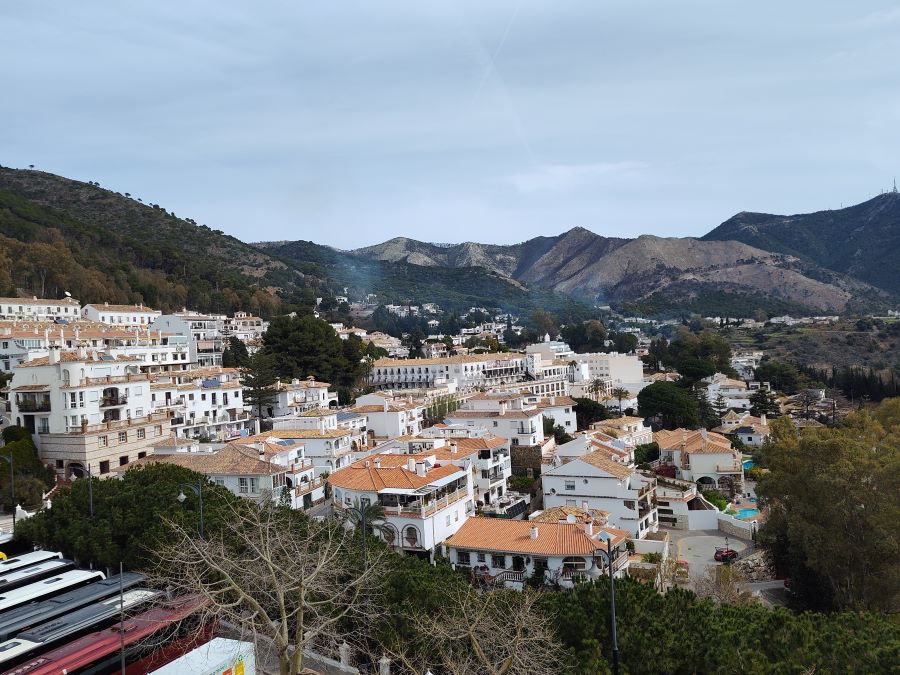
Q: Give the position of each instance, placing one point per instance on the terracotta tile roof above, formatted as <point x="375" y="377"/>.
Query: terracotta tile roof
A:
<point x="232" y="460"/>
<point x="38" y="301"/>
<point x="303" y="384"/>
<point x="560" y="401"/>
<point x="122" y="308"/>
<point x="299" y="433"/>
<point x="692" y="441"/>
<point x="492" y="414"/>
<point x="31" y="387"/>
<point x="620" y="422"/>
<point x="316" y="412"/>
<point x="174" y="442"/>
<point x="392" y="473"/>
<point x="557" y="514"/>
<point x="514" y="536"/>
<point x="392" y="407"/>
<point x="446" y="360"/>
<point x="602" y="461"/>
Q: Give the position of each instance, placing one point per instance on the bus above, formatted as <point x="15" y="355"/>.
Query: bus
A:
<point x="42" y="637"/>
<point x="46" y="587"/>
<point x="26" y="559"/>
<point x="28" y="575"/>
<point x="16" y="620"/>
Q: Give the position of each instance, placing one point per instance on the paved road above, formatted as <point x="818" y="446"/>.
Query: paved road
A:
<point x="770" y="592"/>
<point x="699" y="546"/>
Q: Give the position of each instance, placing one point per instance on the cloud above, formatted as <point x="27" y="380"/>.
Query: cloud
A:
<point x="558" y="177"/>
<point x="881" y="18"/>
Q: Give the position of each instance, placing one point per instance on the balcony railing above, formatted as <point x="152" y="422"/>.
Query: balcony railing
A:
<point x="112" y="401"/>
<point x="308" y="486"/>
<point x="729" y="468"/>
<point x="425" y="510"/>
<point x="27" y="406"/>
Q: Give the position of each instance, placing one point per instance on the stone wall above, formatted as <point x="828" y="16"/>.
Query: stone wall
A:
<point x="524" y="457"/>
<point x="756" y="567"/>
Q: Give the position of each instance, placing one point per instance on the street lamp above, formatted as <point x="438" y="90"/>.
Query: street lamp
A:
<point x="12" y="486"/>
<point x="197" y="490"/>
<point x="612" y="598"/>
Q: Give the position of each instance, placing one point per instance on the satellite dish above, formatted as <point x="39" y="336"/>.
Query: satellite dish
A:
<point x="67" y="294"/>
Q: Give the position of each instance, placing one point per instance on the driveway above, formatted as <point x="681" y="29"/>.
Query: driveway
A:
<point x="699" y="546"/>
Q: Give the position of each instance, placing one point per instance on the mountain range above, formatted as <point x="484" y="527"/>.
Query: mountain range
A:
<point x="59" y="234"/>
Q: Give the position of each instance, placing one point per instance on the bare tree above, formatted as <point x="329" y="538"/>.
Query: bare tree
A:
<point x="500" y="632"/>
<point x="275" y="575"/>
<point x="722" y="583"/>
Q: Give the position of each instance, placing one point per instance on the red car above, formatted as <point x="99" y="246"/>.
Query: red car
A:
<point x="725" y="555"/>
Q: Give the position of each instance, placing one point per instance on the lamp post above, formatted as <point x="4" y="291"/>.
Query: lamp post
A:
<point x="361" y="512"/>
<point x="612" y="599"/>
<point x="90" y="490"/>
<point x="12" y="486"/>
<point x="197" y="490"/>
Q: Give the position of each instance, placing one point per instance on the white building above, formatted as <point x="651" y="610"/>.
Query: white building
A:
<point x="85" y="407"/>
<point x="389" y="416"/>
<point x="735" y="393"/>
<point x="300" y="396"/>
<point x="425" y="502"/>
<point x="40" y="309"/>
<point x="469" y="372"/>
<point x="327" y="446"/>
<point x="705" y="458"/>
<point x="506" y="415"/>
<point x="631" y="430"/>
<point x="510" y="551"/>
<point x="595" y="481"/>
<point x="750" y="430"/>
<point x="206" y="332"/>
<point x="121" y="315"/>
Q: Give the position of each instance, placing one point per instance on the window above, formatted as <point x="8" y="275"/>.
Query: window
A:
<point x="254" y="485"/>
<point x="141" y="434"/>
<point x="123" y="437"/>
<point x="59" y="464"/>
<point x="570" y="484"/>
<point x="481" y="557"/>
<point x="448" y="520"/>
<point x="123" y="460"/>
<point x="159" y="430"/>
<point x="570" y="502"/>
<point x="104" y="467"/>
<point x="219" y="480"/>
<point x="498" y="561"/>
<point x="463" y="558"/>
<point x="243" y="485"/>
<point x="141" y="455"/>
<point x="104" y="441"/>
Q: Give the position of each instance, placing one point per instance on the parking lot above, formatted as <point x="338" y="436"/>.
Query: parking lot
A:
<point x="698" y="548"/>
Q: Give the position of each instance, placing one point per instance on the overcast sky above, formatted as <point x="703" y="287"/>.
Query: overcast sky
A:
<point x="352" y="122"/>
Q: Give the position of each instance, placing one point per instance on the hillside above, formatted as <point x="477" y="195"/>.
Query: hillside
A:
<point x="59" y="235"/>
<point x="862" y="241"/>
<point x="65" y="235"/>
<point x="652" y="273"/>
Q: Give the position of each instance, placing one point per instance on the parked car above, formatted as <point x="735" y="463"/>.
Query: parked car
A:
<point x="725" y="555"/>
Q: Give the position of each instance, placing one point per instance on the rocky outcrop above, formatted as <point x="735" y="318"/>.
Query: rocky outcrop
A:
<point x="756" y="567"/>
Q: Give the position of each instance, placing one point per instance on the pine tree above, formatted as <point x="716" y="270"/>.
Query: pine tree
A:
<point x="258" y="377"/>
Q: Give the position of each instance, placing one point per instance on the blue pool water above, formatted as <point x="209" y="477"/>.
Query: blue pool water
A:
<point x="743" y="514"/>
<point x="748" y="464"/>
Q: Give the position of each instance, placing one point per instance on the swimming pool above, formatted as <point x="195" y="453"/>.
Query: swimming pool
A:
<point x="744" y="514"/>
<point x="748" y="464"/>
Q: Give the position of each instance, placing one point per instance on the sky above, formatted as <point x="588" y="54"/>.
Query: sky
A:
<point x="348" y="123"/>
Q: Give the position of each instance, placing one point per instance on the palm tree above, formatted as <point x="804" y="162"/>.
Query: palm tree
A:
<point x="595" y="387"/>
<point x="620" y="393"/>
<point x="374" y="516"/>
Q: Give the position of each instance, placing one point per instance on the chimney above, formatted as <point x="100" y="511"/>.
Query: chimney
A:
<point x="411" y="465"/>
<point x="377" y="463"/>
<point x="589" y="528"/>
<point x="366" y="464"/>
<point x="420" y="469"/>
<point x="534" y="532"/>
<point x="762" y="420"/>
<point x="53" y="355"/>
<point x="452" y="447"/>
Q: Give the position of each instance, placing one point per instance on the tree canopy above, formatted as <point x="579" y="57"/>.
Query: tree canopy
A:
<point x="672" y="404"/>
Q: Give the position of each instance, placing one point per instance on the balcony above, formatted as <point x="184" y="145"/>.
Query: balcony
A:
<point x="113" y="401"/>
<point x="422" y="510"/>
<point x="304" y="487"/>
<point x="729" y="468"/>
<point x="27" y="405"/>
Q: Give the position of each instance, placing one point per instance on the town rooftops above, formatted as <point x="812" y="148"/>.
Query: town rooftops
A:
<point x="38" y="301"/>
<point x="391" y="472"/>
<point x="526" y="537"/>
<point x="620" y="422"/>
<point x="558" y="514"/>
<point x="316" y="412"/>
<point x="392" y="406"/>
<point x="488" y="414"/>
<point x="693" y="441"/>
<point x="72" y="356"/>
<point x="308" y="383"/>
<point x="232" y="460"/>
<point x="556" y="402"/>
<point x="300" y="434"/>
<point x="602" y="460"/>
<point x="106" y="307"/>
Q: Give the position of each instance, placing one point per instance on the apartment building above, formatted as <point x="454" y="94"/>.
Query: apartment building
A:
<point x="40" y="309"/>
<point x="121" y="315"/>
<point x="389" y="416"/>
<point x="596" y="481"/>
<point x="505" y="414"/>
<point x="205" y="331"/>
<point x="301" y="395"/>
<point x="327" y="446"/>
<point x="85" y="407"/>
<point x="469" y="372"/>
<point x="750" y="430"/>
<point x="628" y="429"/>
<point x="424" y="501"/>
<point x="203" y="403"/>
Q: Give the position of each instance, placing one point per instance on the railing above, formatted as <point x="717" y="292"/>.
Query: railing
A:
<point x="33" y="406"/>
<point x="425" y="510"/>
<point x="308" y="486"/>
<point x="729" y="468"/>
<point x="510" y="575"/>
<point x="111" y="401"/>
<point x="124" y="424"/>
<point x="113" y="379"/>
<point x="647" y="488"/>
